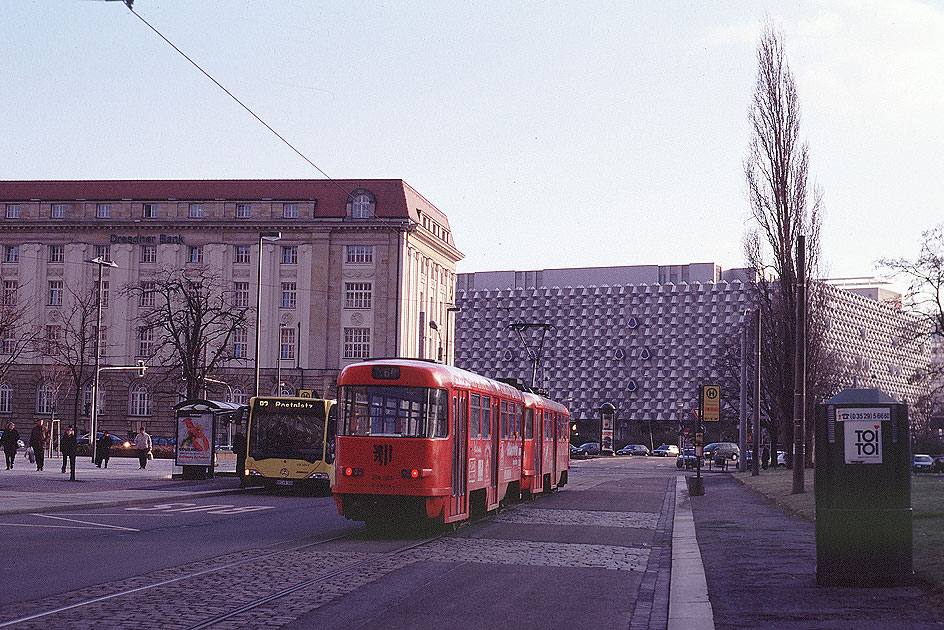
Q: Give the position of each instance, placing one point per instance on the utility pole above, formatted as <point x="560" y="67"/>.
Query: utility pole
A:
<point x="799" y="379"/>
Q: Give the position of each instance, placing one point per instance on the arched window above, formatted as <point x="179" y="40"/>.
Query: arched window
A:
<point x="236" y="395"/>
<point x="46" y="398"/>
<point x="6" y="398"/>
<point x="284" y="390"/>
<point x="140" y="400"/>
<point x="87" y="399"/>
<point x="361" y="204"/>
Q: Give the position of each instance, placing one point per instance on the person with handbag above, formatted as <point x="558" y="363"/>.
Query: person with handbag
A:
<point x="39" y="440"/>
<point x="67" y="446"/>
<point x="142" y="442"/>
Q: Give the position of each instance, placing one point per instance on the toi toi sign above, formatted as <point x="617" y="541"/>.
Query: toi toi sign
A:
<point x="862" y="430"/>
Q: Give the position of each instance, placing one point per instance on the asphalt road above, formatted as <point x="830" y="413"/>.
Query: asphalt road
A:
<point x="57" y="552"/>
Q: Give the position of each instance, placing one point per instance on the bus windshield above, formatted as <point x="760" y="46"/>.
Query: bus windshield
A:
<point x="287" y="429"/>
<point x="394" y="411"/>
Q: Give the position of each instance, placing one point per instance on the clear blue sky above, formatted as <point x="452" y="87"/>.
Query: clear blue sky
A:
<point x="551" y="133"/>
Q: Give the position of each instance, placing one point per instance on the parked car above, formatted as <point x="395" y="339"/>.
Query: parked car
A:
<point x="666" y="450"/>
<point x="588" y="448"/>
<point x="921" y="463"/>
<point x="116" y="440"/>
<point x="937" y="465"/>
<point x="727" y="450"/>
<point x="634" y="449"/>
<point x="686" y="459"/>
<point x="781" y="459"/>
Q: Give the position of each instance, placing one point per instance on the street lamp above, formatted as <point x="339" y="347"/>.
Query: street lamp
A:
<point x="435" y="326"/>
<point x="263" y="236"/>
<point x="101" y="262"/>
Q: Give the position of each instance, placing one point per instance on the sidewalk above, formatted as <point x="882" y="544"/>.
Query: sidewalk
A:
<point x="760" y="565"/>
<point x="25" y="489"/>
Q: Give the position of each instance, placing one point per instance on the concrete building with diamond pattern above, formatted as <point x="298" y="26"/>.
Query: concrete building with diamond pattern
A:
<point x="644" y="337"/>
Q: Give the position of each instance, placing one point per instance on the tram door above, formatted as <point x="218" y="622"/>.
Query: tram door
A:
<point x="538" y="448"/>
<point x="554" y="446"/>
<point x="496" y="429"/>
<point x="460" y="457"/>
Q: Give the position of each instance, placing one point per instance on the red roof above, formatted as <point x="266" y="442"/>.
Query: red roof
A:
<point x="395" y="198"/>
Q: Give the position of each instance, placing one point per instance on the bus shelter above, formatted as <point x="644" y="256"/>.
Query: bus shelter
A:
<point x="200" y="425"/>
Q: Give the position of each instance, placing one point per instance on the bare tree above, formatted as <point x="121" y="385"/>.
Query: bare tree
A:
<point x="782" y="208"/>
<point x="74" y="350"/>
<point x="17" y="332"/>
<point x="187" y="321"/>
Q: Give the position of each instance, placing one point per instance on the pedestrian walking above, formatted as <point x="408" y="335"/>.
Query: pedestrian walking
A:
<point x="142" y="442"/>
<point x="765" y="457"/>
<point x="239" y="447"/>
<point x="39" y="440"/>
<point x="103" y="450"/>
<point x="11" y="442"/>
<point x="67" y="447"/>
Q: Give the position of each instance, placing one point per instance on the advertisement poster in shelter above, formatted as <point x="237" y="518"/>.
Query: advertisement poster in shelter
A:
<point x="194" y="443"/>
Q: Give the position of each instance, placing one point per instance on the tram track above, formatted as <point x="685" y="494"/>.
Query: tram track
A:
<point x="262" y="601"/>
<point x="194" y="574"/>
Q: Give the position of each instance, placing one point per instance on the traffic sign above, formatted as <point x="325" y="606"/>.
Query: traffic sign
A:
<point x="711" y="403"/>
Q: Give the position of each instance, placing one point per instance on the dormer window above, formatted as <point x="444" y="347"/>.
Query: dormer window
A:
<point x="361" y="204"/>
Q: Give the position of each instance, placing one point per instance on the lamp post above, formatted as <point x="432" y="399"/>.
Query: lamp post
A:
<point x="435" y="326"/>
<point x="93" y="413"/>
<point x="263" y="236"/>
<point x="451" y="325"/>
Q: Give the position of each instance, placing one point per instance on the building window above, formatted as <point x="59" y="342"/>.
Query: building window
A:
<point x="196" y="210"/>
<point x="146" y="297"/>
<point x="8" y="342"/>
<point x="236" y="395"/>
<point x="357" y="343"/>
<point x="149" y="253"/>
<point x="104" y="293"/>
<point x="140" y="400"/>
<point x="145" y="341"/>
<point x="12" y="254"/>
<point x="360" y="254"/>
<point x="242" y="254"/>
<point x="286" y="343"/>
<point x="361" y="205"/>
<point x="103" y="252"/>
<point x="102" y="349"/>
<point x="55" y="293"/>
<point x="195" y="255"/>
<point x="148" y="211"/>
<point x="6" y="398"/>
<point x="53" y="335"/>
<point x="241" y="294"/>
<point x="290" y="211"/>
<point x="357" y="294"/>
<point x="46" y="399"/>
<point x="288" y="295"/>
<point x="57" y="253"/>
<point x="9" y="292"/>
<point x="103" y="211"/>
<point x="58" y="211"/>
<point x="289" y="255"/>
<point x="243" y="210"/>
<point x="13" y="211"/>
<point x="240" y="343"/>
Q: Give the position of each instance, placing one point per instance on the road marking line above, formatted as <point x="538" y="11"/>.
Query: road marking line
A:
<point x="75" y="520"/>
<point x="50" y="526"/>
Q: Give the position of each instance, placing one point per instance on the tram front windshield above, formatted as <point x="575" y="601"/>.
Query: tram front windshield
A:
<point x="287" y="433"/>
<point x="394" y="411"/>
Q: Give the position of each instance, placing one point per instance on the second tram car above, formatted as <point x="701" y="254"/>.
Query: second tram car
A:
<point x="418" y="439"/>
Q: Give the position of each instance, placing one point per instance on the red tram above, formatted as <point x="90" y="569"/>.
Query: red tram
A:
<point x="418" y="439"/>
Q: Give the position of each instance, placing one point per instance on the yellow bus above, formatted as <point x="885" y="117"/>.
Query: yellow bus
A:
<point x="290" y="442"/>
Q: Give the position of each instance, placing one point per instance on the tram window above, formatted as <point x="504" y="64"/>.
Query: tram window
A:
<point x="528" y="423"/>
<point x="486" y="416"/>
<point x="475" y="416"/>
<point x="394" y="411"/>
<point x="504" y="419"/>
<point x="517" y="419"/>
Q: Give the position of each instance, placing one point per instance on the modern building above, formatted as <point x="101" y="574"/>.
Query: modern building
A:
<point x="360" y="269"/>
<point x="643" y="338"/>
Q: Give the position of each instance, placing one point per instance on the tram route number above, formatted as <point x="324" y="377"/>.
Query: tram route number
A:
<point x="190" y="508"/>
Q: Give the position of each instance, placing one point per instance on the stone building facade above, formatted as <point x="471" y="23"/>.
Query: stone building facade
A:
<point x="360" y="269"/>
<point x="646" y="342"/>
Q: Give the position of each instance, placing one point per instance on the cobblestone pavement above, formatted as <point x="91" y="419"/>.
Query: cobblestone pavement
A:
<point x="366" y="573"/>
